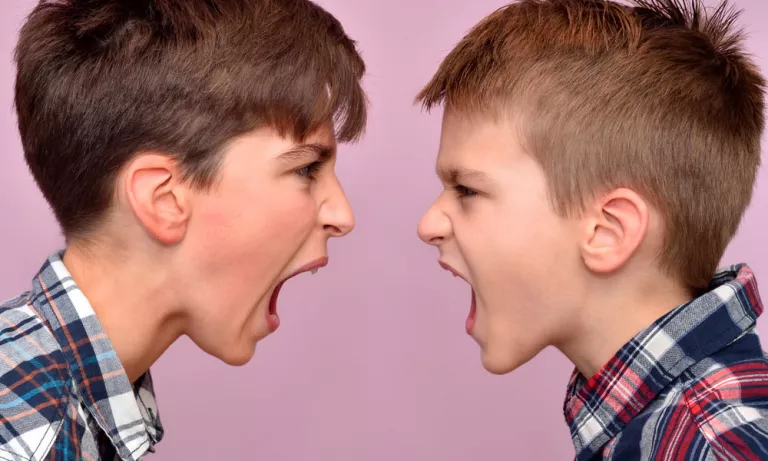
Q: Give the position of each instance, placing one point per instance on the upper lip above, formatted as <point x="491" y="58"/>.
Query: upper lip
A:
<point x="450" y="269"/>
<point x="316" y="264"/>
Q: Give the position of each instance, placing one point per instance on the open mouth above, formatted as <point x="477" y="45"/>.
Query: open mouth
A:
<point x="470" y="323"/>
<point x="273" y="320"/>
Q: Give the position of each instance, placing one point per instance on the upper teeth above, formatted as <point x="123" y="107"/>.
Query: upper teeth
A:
<point x="314" y="271"/>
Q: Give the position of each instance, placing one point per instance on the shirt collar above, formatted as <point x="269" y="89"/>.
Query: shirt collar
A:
<point x="126" y="413"/>
<point x="597" y="409"/>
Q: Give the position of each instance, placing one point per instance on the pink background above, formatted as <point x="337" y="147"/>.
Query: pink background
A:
<point x="372" y="362"/>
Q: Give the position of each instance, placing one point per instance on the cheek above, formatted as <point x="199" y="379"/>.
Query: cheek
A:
<point x="252" y="241"/>
<point x="272" y="235"/>
<point x="500" y="245"/>
<point x="514" y="252"/>
<point x="526" y="237"/>
<point x="237" y="251"/>
<point x="263" y="218"/>
<point x="292" y="227"/>
<point x="286" y="220"/>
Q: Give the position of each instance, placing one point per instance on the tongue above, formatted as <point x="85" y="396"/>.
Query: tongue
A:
<point x="470" y="325"/>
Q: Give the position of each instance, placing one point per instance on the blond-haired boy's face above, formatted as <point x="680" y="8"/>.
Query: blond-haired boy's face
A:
<point x="495" y="228"/>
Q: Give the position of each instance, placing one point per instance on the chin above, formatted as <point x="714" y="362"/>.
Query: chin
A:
<point x="237" y="358"/>
<point x="495" y="366"/>
<point x="501" y="360"/>
<point x="235" y="354"/>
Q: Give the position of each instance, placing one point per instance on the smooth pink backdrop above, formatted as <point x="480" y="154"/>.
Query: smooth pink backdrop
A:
<point x="371" y="362"/>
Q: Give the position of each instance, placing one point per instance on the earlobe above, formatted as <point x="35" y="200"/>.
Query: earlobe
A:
<point x="615" y="227"/>
<point x="158" y="197"/>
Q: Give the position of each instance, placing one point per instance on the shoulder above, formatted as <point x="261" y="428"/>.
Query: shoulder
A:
<point x="727" y="398"/>
<point x="34" y="382"/>
<point x="717" y="409"/>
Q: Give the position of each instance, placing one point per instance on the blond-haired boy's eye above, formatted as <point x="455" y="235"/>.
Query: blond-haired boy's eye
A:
<point x="463" y="191"/>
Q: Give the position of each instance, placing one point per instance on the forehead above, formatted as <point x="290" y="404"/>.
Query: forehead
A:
<point x="477" y="141"/>
<point x="272" y="143"/>
<point x="324" y="134"/>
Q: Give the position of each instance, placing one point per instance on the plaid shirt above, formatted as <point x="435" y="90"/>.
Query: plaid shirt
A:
<point x="64" y="394"/>
<point x="693" y="386"/>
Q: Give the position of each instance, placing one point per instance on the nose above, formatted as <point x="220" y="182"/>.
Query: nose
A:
<point x="434" y="227"/>
<point x="336" y="213"/>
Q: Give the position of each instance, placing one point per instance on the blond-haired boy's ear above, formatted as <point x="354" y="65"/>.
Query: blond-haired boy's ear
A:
<point x="615" y="225"/>
<point x="158" y="196"/>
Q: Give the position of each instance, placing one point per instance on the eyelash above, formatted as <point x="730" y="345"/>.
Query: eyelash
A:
<point x="464" y="192"/>
<point x="309" y="171"/>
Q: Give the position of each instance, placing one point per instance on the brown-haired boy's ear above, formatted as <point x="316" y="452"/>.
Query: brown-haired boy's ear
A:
<point x="615" y="225"/>
<point x="158" y="196"/>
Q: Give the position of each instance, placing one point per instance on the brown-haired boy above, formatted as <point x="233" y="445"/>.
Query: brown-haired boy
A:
<point x="187" y="150"/>
<point x="597" y="159"/>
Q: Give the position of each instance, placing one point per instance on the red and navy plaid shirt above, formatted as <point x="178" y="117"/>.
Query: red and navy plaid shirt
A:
<point x="64" y="394"/>
<point x="693" y="386"/>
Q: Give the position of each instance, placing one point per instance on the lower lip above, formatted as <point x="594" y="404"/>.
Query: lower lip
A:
<point x="273" y="320"/>
<point x="470" y="325"/>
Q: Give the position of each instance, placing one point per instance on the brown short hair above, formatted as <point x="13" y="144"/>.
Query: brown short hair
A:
<point x="658" y="96"/>
<point x="100" y="81"/>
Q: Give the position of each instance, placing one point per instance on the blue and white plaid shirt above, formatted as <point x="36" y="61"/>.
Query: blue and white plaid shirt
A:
<point x="64" y="394"/>
<point x="691" y="387"/>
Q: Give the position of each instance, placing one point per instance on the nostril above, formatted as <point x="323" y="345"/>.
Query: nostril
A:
<point x="333" y="230"/>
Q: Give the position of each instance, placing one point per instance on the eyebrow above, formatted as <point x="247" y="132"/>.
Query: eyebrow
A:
<point x="458" y="175"/>
<point x="308" y="153"/>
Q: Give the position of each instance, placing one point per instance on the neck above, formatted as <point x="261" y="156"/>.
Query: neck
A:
<point x="617" y="312"/>
<point x="132" y="299"/>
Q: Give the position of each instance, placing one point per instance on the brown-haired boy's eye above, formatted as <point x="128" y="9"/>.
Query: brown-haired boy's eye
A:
<point x="309" y="171"/>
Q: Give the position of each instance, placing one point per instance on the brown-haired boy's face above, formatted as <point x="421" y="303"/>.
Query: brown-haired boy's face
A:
<point x="268" y="216"/>
<point x="495" y="228"/>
